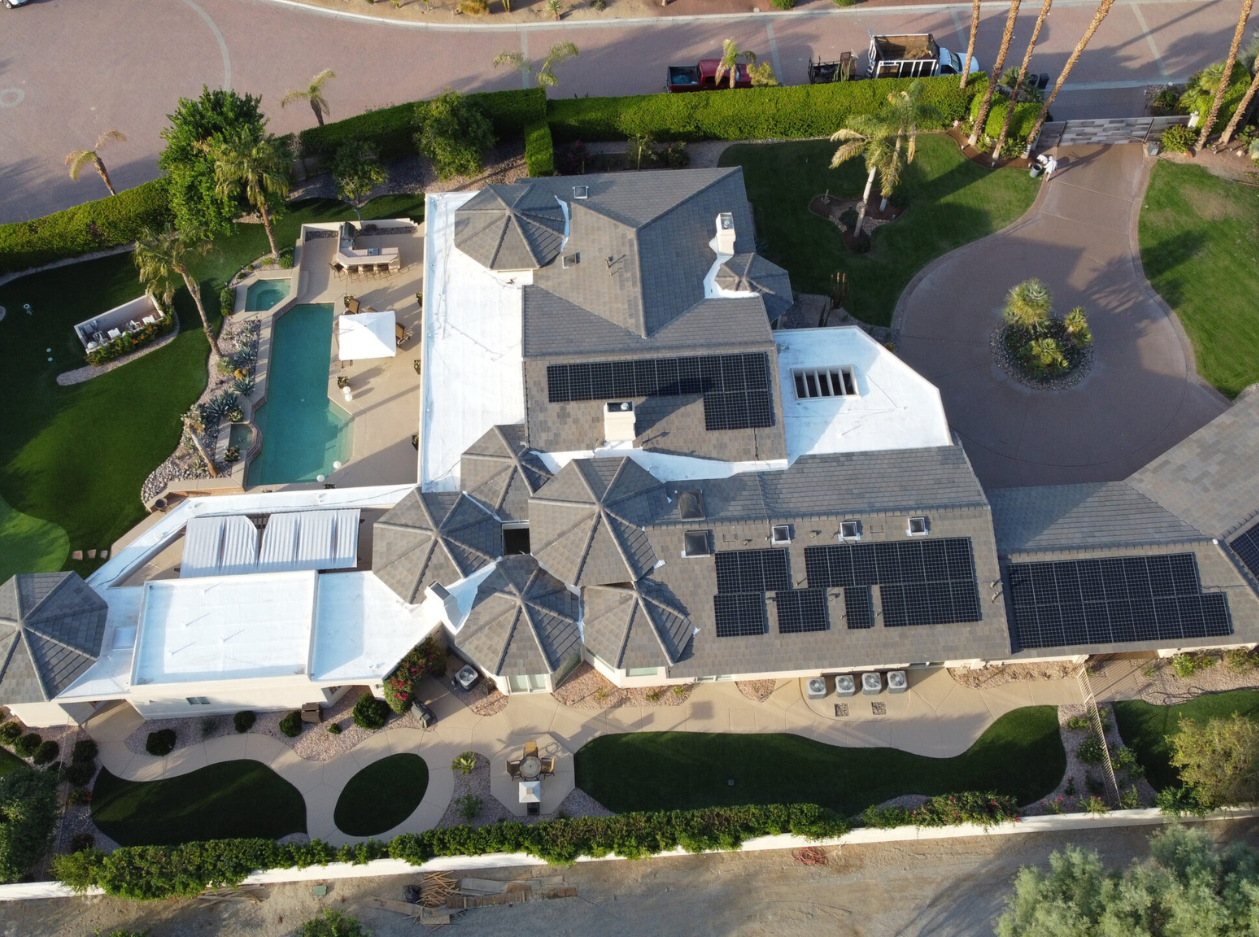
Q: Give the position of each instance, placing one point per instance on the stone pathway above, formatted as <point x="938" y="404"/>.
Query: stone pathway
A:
<point x="936" y="717"/>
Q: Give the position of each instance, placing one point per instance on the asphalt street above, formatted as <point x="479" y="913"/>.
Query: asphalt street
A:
<point x="70" y="69"/>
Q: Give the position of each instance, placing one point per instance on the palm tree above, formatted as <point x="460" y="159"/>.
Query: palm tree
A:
<point x="1018" y="82"/>
<point x="164" y="255"/>
<point x="313" y="93"/>
<point x="970" y="48"/>
<point x="982" y="117"/>
<point x="1243" y="106"/>
<point x="257" y="164"/>
<point x="1027" y="92"/>
<point x="1227" y="76"/>
<point x="876" y="140"/>
<point x="80" y="158"/>
<point x="763" y="76"/>
<point x="907" y="111"/>
<point x="729" y="64"/>
<point x="1048" y="353"/>
<point x="1077" y="327"/>
<point x="1027" y="305"/>
<point x="1102" y="9"/>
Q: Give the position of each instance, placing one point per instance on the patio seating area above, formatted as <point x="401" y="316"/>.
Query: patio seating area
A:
<point x="532" y="777"/>
<point x="356" y="258"/>
<point x="131" y="317"/>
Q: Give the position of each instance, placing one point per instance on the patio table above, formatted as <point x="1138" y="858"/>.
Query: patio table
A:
<point x="530" y="767"/>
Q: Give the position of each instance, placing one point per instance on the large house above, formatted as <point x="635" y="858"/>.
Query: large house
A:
<point x="622" y="460"/>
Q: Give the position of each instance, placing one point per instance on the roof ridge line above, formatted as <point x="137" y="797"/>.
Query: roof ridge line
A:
<point x="38" y="605"/>
<point x="39" y="676"/>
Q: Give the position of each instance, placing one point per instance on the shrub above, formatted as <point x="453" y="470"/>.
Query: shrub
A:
<point x="128" y="342"/>
<point x="426" y="658"/>
<point x="83" y="752"/>
<point x="469" y="805"/>
<point x="539" y="149"/>
<point x="1090" y="750"/>
<point x="1200" y="93"/>
<point x="1025" y="114"/>
<point x="1219" y="760"/>
<point x="28" y="812"/>
<point x="10" y="732"/>
<point x="791" y="112"/>
<point x="227" y="300"/>
<point x="783" y="4"/>
<point x="333" y="924"/>
<point x="80" y="773"/>
<point x="291" y="724"/>
<point x="1095" y="805"/>
<point x="210" y="724"/>
<point x="464" y="763"/>
<point x="844" y="3"/>
<point x="370" y="713"/>
<point x="92" y="226"/>
<point x="82" y="841"/>
<point x="1239" y="660"/>
<point x="1178" y="139"/>
<point x="161" y="742"/>
<point x="244" y="720"/>
<point x="474" y="7"/>
<point x="1078" y="722"/>
<point x="25" y="746"/>
<point x="47" y="752"/>
<point x="79" y="796"/>
<point x="1125" y="759"/>
<point x="286" y="258"/>
<point x="1186" y="665"/>
<point x="454" y="133"/>
<point x="977" y="807"/>
<point x="334" y="728"/>
<point x="1179" y="801"/>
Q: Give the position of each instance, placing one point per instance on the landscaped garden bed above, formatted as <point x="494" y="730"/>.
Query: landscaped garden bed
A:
<point x="586" y="688"/>
<point x="1038" y="348"/>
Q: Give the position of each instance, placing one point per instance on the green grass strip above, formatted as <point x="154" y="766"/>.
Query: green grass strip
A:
<point x="29" y="545"/>
<point x="382" y="795"/>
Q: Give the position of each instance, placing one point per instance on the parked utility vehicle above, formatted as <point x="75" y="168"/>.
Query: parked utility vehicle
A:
<point x="912" y="56"/>
<point x="703" y="77"/>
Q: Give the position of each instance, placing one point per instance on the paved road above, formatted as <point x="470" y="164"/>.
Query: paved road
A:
<point x="72" y="68"/>
<point x="1143" y="394"/>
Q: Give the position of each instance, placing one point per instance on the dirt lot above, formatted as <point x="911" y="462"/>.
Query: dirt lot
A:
<point x="950" y="887"/>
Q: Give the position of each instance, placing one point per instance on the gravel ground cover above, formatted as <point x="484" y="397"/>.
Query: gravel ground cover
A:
<point x="1001" y="674"/>
<point x="586" y="688"/>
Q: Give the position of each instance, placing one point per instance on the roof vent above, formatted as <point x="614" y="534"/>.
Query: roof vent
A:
<point x="725" y="233"/>
<point x="691" y="505"/>
<point x="780" y="534"/>
<point x="618" y="421"/>
<point x="850" y="530"/>
<point x="581" y="191"/>
<point x="570" y="260"/>
<point x="918" y="527"/>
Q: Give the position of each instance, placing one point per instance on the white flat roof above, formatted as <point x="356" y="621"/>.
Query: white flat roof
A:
<point x="896" y="407"/>
<point x="225" y="627"/>
<point x="110" y="676"/>
<point x="472" y="375"/>
<point x="362" y="628"/>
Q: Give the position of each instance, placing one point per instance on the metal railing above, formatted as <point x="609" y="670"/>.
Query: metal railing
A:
<point x="1095" y="720"/>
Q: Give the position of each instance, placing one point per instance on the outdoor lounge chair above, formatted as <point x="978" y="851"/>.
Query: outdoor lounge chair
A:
<point x="352" y="306"/>
<point x="113" y="333"/>
<point x="548" y="766"/>
<point x="513" y="768"/>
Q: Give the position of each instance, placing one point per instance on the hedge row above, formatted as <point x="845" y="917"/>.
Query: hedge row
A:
<point x="92" y="226"/>
<point x="150" y="872"/>
<point x="747" y="113"/>
<point x="1025" y="114"/>
<point x="984" y="809"/>
<point x="539" y="149"/>
<point x="390" y="129"/>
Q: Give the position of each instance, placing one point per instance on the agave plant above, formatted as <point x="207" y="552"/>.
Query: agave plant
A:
<point x="1077" y="327"/>
<point x="243" y="385"/>
<point x="219" y="406"/>
<point x="464" y="763"/>
<point x="1027" y="305"/>
<point x="1047" y="353"/>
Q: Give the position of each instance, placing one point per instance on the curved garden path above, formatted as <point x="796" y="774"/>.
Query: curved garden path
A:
<point x="937" y="717"/>
<point x="1143" y="394"/>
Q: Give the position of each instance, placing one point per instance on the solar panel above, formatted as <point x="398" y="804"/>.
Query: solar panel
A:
<point x="735" y="387"/>
<point x="1247" y="549"/>
<point x="740" y="614"/>
<point x="1114" y="601"/>
<point x="921" y="582"/>
<point x="801" y="610"/>
<point x="752" y="571"/>
<point x="858" y="608"/>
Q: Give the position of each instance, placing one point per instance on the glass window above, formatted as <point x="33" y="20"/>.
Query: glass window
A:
<point x="642" y="671"/>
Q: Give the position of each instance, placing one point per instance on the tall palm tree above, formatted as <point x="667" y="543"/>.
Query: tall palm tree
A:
<point x="875" y="139"/>
<point x="970" y="48"/>
<point x="1018" y="82"/>
<point x="1242" y="107"/>
<point x="80" y="158"/>
<point x="730" y="55"/>
<point x="982" y="117"/>
<point x="907" y="111"/>
<point x="257" y="164"/>
<point x="313" y="93"/>
<point x="1028" y="304"/>
<point x="164" y="255"/>
<point x="1226" y="79"/>
<point x="1102" y="9"/>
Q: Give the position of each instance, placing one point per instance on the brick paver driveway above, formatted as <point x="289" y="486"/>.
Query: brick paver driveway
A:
<point x="1143" y="394"/>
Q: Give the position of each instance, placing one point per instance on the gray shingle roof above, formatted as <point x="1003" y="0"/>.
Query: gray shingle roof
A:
<point x="432" y="537"/>
<point x="587" y="522"/>
<point x="1209" y="479"/>
<point x="752" y="273"/>
<point x="638" y="625"/>
<point x="510" y="227"/>
<point x="1076" y="517"/>
<point x="523" y="621"/>
<point x="502" y="472"/>
<point x="51" y="629"/>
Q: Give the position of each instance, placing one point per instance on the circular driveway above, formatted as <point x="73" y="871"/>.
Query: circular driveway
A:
<point x="1143" y="394"/>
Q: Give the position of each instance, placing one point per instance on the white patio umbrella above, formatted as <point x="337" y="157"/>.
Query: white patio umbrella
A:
<point x="366" y="335"/>
<point x="531" y="792"/>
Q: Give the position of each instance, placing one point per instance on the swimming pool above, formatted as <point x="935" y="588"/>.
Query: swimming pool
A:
<point x="263" y="294"/>
<point x="303" y="432"/>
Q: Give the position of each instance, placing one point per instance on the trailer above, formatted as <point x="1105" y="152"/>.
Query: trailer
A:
<point x="703" y="77"/>
<point x="912" y="56"/>
<point x="823" y="72"/>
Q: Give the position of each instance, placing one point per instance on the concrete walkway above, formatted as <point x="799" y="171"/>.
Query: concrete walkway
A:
<point x="1143" y="394"/>
<point x="936" y="717"/>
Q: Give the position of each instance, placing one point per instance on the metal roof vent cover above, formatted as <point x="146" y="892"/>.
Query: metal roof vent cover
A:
<point x="850" y="530"/>
<point x="780" y="534"/>
<point x="581" y="191"/>
<point x="918" y="527"/>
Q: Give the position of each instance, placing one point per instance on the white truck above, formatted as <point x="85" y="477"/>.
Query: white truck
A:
<point x="913" y="56"/>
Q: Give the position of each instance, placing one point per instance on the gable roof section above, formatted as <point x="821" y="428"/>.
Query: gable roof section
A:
<point x="752" y="273"/>
<point x="510" y="227"/>
<point x="429" y="537"/>
<point x="522" y="621"/>
<point x="502" y="472"/>
<point x="588" y="521"/>
<point x="51" y="629"/>
<point x="638" y="625"/>
<point x="1209" y="478"/>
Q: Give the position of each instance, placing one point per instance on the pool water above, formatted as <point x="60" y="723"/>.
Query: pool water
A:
<point x="303" y="432"/>
<point x="263" y="294"/>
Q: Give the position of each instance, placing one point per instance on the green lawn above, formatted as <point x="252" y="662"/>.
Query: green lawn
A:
<point x="74" y="458"/>
<point x="222" y="801"/>
<point x="950" y="201"/>
<point x="9" y="761"/>
<point x="1020" y="754"/>
<point x="1144" y="727"/>
<point x="1200" y="249"/>
<point x="382" y="795"/>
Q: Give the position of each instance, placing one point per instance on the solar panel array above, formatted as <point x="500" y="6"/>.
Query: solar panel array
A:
<point x="1112" y="601"/>
<point x="801" y="610"/>
<point x="736" y="388"/>
<point x="752" y="571"/>
<point x="740" y="614"/>
<point x="1247" y="549"/>
<point x="921" y="582"/>
<point x="744" y="577"/>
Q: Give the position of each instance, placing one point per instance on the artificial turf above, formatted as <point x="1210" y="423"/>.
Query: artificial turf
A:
<point x="1200" y="249"/>
<point x="949" y="202"/>
<point x="1020" y="754"/>
<point x="1145" y="727"/>
<point x="382" y="795"/>
<point x="74" y="458"/>
<point x="222" y="801"/>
